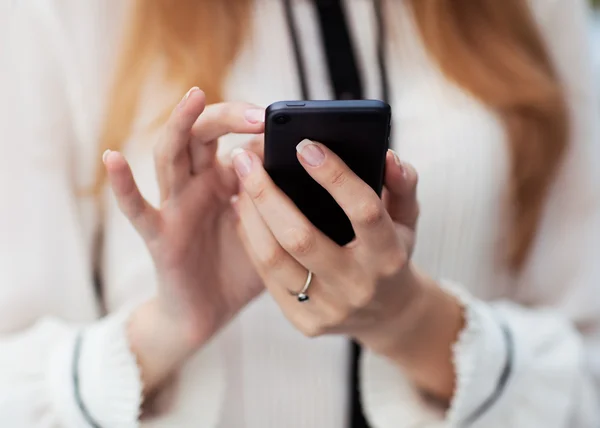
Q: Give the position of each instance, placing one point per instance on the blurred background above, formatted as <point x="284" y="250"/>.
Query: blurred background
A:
<point x="595" y="30"/>
<point x="5" y="6"/>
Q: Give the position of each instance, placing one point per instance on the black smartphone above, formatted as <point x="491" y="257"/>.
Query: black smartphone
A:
<point x="357" y="131"/>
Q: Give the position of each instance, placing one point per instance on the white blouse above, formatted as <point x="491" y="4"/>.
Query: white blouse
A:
<point x="56" y="64"/>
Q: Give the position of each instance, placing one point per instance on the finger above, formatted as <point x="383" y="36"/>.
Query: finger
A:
<point x="366" y="211"/>
<point x="140" y="213"/>
<point x="257" y="146"/>
<point x="401" y="184"/>
<point x="282" y="275"/>
<point x="273" y="263"/>
<point x="173" y="163"/>
<point x="218" y="120"/>
<point x="294" y="232"/>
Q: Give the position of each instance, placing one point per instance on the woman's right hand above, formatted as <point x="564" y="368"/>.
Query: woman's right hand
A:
<point x="204" y="275"/>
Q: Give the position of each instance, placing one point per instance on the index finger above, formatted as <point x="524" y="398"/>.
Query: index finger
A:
<point x="218" y="120"/>
<point x="226" y="118"/>
<point x="171" y="154"/>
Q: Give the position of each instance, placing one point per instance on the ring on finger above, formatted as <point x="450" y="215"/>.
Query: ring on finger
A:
<point x="302" y="296"/>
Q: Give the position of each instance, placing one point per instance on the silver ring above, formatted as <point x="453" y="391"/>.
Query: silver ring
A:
<point x="302" y="296"/>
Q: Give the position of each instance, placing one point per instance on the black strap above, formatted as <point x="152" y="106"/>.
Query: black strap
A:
<point x="381" y="51"/>
<point x="300" y="66"/>
<point x="346" y="82"/>
<point x="344" y="74"/>
<point x="345" y="79"/>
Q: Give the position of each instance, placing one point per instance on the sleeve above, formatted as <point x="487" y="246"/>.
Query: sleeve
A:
<point x="533" y="361"/>
<point x="52" y="342"/>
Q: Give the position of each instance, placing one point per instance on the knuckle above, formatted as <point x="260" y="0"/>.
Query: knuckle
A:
<point x="259" y="194"/>
<point x="257" y="190"/>
<point x="299" y="241"/>
<point x="338" y="177"/>
<point x="226" y="112"/>
<point x="362" y="297"/>
<point x="271" y="258"/>
<point x="176" y="125"/>
<point x="369" y="213"/>
<point x="394" y="262"/>
<point x="133" y="208"/>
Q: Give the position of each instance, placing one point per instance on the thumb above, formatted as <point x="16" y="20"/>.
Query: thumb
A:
<point x="138" y="211"/>
<point x="401" y="185"/>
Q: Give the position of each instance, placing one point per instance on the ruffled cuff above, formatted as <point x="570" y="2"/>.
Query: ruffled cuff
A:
<point x="480" y="359"/>
<point x="108" y="378"/>
<point x="107" y="375"/>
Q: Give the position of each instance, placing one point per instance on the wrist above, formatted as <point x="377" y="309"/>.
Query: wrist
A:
<point x="420" y="339"/>
<point x="400" y="319"/>
<point x="437" y="319"/>
<point x="158" y="344"/>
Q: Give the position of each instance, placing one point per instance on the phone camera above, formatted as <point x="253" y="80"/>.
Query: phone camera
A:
<point x="282" y="119"/>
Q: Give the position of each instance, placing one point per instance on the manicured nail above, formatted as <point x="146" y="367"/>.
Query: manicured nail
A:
<point x="105" y="155"/>
<point x="187" y="95"/>
<point x="311" y="153"/>
<point x="398" y="162"/>
<point x="396" y="157"/>
<point x="255" y="115"/>
<point x="242" y="162"/>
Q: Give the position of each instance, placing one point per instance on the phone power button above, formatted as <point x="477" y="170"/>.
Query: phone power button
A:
<point x="295" y="104"/>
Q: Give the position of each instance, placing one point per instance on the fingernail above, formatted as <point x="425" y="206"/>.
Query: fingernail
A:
<point x="311" y="153"/>
<point x="241" y="161"/>
<point x="187" y="95"/>
<point x="255" y="115"/>
<point x="235" y="205"/>
<point x="396" y="157"/>
<point x="105" y="155"/>
<point x="399" y="163"/>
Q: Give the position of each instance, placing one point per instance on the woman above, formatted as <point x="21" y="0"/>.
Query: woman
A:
<point x="489" y="316"/>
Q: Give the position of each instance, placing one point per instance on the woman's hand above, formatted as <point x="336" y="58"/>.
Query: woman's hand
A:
<point x="368" y="289"/>
<point x="204" y="275"/>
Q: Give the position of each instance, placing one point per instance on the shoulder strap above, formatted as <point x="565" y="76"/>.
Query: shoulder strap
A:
<point x="344" y="74"/>
<point x="345" y="79"/>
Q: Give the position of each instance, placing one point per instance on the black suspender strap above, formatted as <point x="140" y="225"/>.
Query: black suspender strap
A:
<point x="344" y="74"/>
<point x="345" y="79"/>
<point x="381" y="51"/>
<point x="300" y="65"/>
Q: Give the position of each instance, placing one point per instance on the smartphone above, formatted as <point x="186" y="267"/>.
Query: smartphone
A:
<point x="357" y="131"/>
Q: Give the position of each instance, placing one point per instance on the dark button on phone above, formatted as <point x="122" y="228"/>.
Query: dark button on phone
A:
<point x="295" y="104"/>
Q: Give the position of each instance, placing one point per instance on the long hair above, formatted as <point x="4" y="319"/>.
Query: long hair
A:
<point x="492" y="49"/>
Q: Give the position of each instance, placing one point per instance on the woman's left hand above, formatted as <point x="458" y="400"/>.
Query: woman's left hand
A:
<point x="358" y="289"/>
